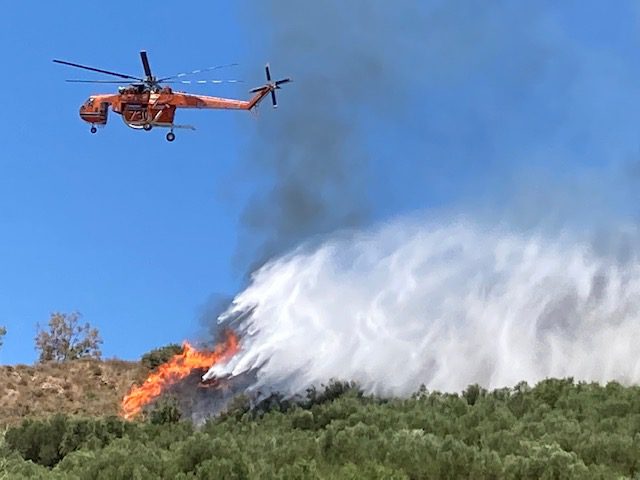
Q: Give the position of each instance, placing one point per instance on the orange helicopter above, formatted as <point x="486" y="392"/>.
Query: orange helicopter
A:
<point x="148" y="102"/>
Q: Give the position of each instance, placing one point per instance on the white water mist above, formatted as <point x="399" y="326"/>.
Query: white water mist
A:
<point x="444" y="305"/>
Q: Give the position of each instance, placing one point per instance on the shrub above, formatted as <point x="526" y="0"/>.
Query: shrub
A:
<point x="158" y="356"/>
<point x="335" y="389"/>
<point x="166" y="410"/>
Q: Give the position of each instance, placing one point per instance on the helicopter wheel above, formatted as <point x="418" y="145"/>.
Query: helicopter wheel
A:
<point x="147" y="126"/>
<point x="171" y="137"/>
<point x="93" y="129"/>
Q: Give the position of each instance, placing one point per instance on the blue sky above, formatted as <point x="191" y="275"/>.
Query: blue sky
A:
<point x="466" y="104"/>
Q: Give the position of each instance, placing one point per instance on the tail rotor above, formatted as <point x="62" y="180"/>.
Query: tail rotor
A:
<point x="271" y="86"/>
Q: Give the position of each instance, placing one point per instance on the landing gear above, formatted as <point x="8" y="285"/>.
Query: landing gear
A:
<point x="147" y="126"/>
<point x="171" y="137"/>
<point x="93" y="129"/>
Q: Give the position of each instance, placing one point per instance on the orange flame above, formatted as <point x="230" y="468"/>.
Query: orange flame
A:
<point x="177" y="368"/>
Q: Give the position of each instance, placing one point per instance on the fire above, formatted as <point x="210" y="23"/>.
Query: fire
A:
<point x="177" y="368"/>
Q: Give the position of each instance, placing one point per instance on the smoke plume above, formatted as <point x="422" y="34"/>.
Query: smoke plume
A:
<point x="311" y="158"/>
<point x="398" y="107"/>
<point x="498" y="110"/>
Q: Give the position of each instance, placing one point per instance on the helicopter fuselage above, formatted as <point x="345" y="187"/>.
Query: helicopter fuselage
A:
<point x="147" y="108"/>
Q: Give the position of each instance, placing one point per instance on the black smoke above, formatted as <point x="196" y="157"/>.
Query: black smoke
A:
<point x="410" y="105"/>
<point x="311" y="154"/>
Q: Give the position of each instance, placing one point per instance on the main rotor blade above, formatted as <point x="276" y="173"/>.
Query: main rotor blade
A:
<point x="266" y="69"/>
<point x="96" y="81"/>
<point x="194" y="72"/>
<point x="107" y="72"/>
<point x="273" y="98"/>
<point x="284" y="80"/>
<point x="193" y="82"/>
<point x="145" y="63"/>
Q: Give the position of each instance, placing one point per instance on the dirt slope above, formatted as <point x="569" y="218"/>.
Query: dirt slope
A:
<point x="85" y="387"/>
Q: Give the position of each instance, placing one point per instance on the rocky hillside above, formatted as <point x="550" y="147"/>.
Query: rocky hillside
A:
<point x="85" y="387"/>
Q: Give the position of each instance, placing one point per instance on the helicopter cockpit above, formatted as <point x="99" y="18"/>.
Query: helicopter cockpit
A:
<point x="94" y="114"/>
<point x="134" y="89"/>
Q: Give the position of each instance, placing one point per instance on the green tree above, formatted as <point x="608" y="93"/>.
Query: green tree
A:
<point x="166" y="410"/>
<point x="38" y="441"/>
<point x="158" y="356"/>
<point x="3" y="332"/>
<point x="67" y="339"/>
<point x="473" y="393"/>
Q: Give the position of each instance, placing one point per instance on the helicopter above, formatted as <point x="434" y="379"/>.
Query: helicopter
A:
<point x="148" y="102"/>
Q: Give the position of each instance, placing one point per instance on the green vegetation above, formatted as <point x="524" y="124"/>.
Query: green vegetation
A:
<point x="67" y="339"/>
<point x="558" y="429"/>
<point x="3" y="332"/>
<point x="158" y="356"/>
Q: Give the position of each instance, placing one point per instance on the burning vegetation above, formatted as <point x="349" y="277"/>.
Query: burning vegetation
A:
<point x="179" y="367"/>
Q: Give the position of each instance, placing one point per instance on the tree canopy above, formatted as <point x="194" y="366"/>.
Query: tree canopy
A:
<point x="558" y="429"/>
<point x="67" y="339"/>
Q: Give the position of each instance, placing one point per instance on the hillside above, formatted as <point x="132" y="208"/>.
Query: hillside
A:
<point x="83" y="387"/>
<point x="558" y="429"/>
